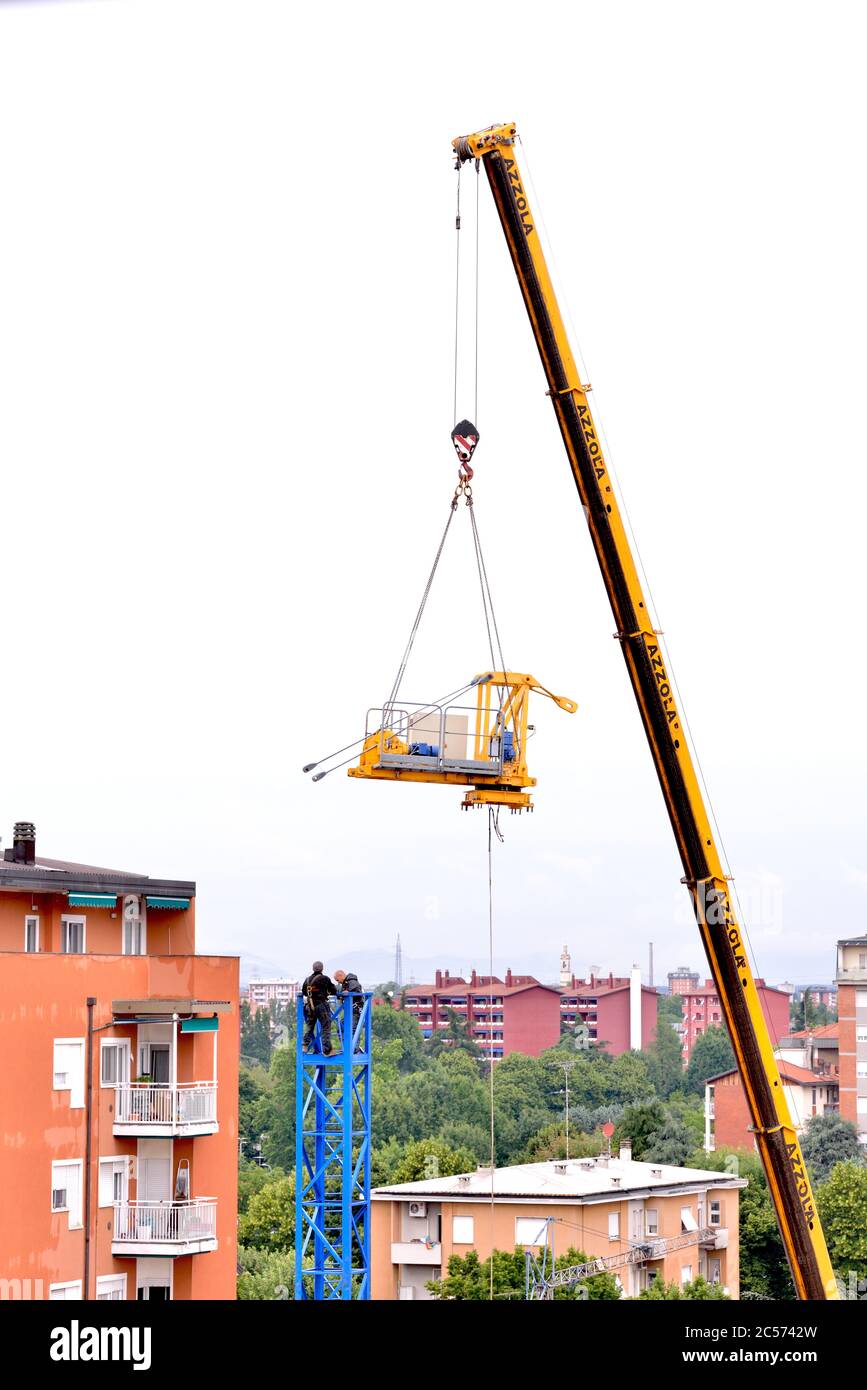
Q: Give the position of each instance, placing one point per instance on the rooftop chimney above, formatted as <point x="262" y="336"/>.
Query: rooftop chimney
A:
<point x="508" y="978"/>
<point x="24" y="842"/>
<point x="626" y="1151"/>
<point x="439" y="978"/>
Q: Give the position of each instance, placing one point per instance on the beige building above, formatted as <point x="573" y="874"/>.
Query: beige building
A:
<point x="642" y="1221"/>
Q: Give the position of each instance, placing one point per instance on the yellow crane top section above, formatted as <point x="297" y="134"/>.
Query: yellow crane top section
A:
<point x="704" y="874"/>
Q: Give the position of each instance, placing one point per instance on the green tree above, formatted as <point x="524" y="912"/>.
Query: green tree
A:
<point x="664" y="1058"/>
<point x="711" y="1055"/>
<point x="469" y="1278"/>
<point x="671" y="1143"/>
<point x="842" y="1203"/>
<point x="698" y="1289"/>
<point x="251" y="1179"/>
<point x="252" y="1086"/>
<point x="269" y="1221"/>
<point x="265" y="1274"/>
<point x="275" y="1112"/>
<point x="639" y="1124"/>
<point x="431" y="1158"/>
<point x="670" y="1007"/>
<point x="550" y="1143"/>
<point x="806" y="1013"/>
<point x="455" y="1037"/>
<point x="828" y="1140"/>
<point x="255" y="1034"/>
<point x="390" y="1025"/>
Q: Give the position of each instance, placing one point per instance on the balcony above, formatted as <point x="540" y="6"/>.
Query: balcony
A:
<point x="166" y="1111"/>
<point x="164" y="1228"/>
<point x="416" y="1252"/>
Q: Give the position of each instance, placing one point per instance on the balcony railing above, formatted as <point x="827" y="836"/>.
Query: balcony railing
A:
<point x="165" y="1228"/>
<point x="190" y="1108"/>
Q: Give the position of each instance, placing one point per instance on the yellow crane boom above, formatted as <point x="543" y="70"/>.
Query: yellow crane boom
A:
<point x="704" y="876"/>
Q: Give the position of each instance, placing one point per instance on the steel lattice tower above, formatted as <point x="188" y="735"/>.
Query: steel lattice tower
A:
<point x="332" y="1158"/>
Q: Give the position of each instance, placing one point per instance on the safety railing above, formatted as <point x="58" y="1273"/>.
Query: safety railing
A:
<point x="143" y="1103"/>
<point x="166" y="1223"/>
<point x="438" y="738"/>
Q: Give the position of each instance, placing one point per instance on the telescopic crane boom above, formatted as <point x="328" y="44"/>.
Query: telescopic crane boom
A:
<point x="703" y="870"/>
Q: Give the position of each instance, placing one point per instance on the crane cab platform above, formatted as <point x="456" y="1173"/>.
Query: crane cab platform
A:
<point x="481" y="747"/>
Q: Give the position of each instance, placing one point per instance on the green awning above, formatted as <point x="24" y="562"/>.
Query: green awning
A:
<point x="176" y="904"/>
<point x="92" y="899"/>
<point x="199" y="1025"/>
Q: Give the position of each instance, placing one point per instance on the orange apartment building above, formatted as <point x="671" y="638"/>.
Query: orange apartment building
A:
<point x="119" y="1093"/>
<point x="647" y="1221"/>
<point x="851" y="984"/>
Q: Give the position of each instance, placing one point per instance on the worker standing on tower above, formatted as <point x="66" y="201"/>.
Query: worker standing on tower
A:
<point x="349" y="983"/>
<point x="316" y="990"/>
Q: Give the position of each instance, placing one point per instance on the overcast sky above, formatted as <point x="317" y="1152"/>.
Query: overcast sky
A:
<point x="226" y="338"/>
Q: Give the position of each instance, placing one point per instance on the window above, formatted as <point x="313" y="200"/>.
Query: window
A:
<point x="111" y="1287"/>
<point x="69" y="1069"/>
<point x="651" y="1221"/>
<point x="31" y="933"/>
<point x="714" y="1269"/>
<point x="66" y="1190"/>
<point x="714" y="1211"/>
<point x="72" y="935"/>
<point x="530" y="1230"/>
<point x="59" y="1293"/>
<point x="462" y="1230"/>
<point x="614" y="1225"/>
<point x="133" y="926"/>
<point x="114" y="1062"/>
<point x="686" y="1274"/>
<point x="112" y="1180"/>
<point x="687" y="1220"/>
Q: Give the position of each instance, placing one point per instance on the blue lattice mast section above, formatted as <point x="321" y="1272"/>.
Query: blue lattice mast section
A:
<point x="332" y="1157"/>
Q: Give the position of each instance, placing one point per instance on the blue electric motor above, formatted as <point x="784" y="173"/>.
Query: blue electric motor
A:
<point x="424" y="750"/>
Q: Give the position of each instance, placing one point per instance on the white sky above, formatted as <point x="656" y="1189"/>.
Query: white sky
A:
<point x="225" y="397"/>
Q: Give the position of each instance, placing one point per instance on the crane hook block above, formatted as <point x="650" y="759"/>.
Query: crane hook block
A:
<point x="465" y="437"/>
<point x="481" y="747"/>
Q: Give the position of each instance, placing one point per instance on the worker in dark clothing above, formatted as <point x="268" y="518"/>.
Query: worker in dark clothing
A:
<point x="348" y="983"/>
<point x="316" y="990"/>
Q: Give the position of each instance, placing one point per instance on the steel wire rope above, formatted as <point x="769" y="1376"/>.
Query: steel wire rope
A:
<point x="476" y="394"/>
<point x="457" y="293"/>
<point x="418" y="617"/>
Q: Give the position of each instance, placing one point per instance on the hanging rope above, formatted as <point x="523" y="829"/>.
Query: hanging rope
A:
<point x="424" y="598"/>
<point x="457" y="292"/>
<point x="477" y="206"/>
